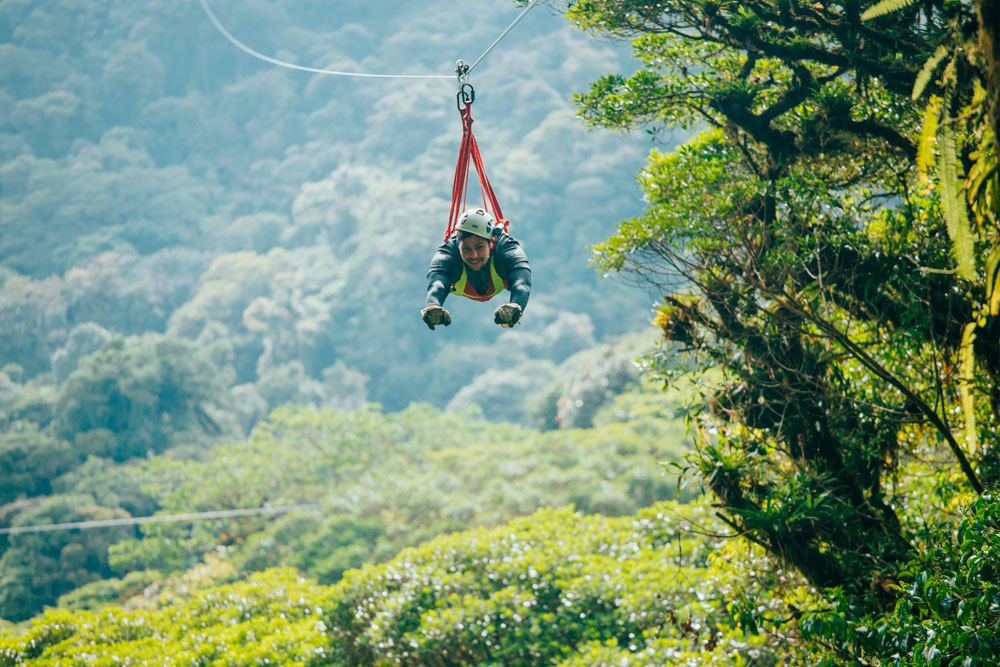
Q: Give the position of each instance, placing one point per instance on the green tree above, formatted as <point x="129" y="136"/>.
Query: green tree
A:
<point x="30" y="459"/>
<point x="49" y="121"/>
<point x="943" y="613"/>
<point x="38" y="567"/>
<point x="140" y="396"/>
<point x="383" y="482"/>
<point x="84" y="339"/>
<point x="132" y="78"/>
<point x="27" y="309"/>
<point x="799" y="256"/>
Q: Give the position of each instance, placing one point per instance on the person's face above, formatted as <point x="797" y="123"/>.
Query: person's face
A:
<point x="475" y="251"/>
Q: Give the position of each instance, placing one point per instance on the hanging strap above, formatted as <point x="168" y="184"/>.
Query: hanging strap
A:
<point x="469" y="149"/>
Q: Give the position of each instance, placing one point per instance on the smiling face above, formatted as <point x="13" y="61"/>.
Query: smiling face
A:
<point x="475" y="250"/>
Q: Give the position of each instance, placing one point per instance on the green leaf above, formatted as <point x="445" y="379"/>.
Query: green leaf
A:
<point x="950" y="176"/>
<point x="885" y="7"/>
<point x="928" y="133"/>
<point x="992" y="284"/>
<point x="967" y="367"/>
<point x="925" y="72"/>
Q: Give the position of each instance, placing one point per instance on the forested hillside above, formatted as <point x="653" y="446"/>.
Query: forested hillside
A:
<point x="376" y="483"/>
<point x="158" y="180"/>
<point x="191" y="238"/>
<point x="211" y="270"/>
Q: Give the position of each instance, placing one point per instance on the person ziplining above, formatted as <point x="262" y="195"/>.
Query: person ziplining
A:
<point x="478" y="261"/>
<point x="478" y="258"/>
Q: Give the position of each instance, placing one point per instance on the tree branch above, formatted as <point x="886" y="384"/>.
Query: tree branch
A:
<point x="873" y="365"/>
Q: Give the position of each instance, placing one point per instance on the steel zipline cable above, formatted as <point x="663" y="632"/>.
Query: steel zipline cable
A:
<point x="316" y="70"/>
<point x="503" y="34"/>
<point x="160" y="518"/>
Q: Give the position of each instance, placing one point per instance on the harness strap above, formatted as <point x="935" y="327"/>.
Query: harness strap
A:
<point x="469" y="149"/>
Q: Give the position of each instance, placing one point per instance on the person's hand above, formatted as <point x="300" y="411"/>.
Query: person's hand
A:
<point x="435" y="315"/>
<point x="507" y="315"/>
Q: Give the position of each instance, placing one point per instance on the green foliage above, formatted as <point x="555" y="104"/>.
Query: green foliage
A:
<point x="528" y="593"/>
<point x="30" y="459"/>
<point x="108" y="592"/>
<point x="884" y="7"/>
<point x="943" y="609"/>
<point x="325" y="546"/>
<point x="953" y="205"/>
<point x="274" y="617"/>
<point x="801" y="255"/>
<point x="605" y="373"/>
<point x="38" y="567"/>
<point x="154" y="179"/>
<point x="26" y="308"/>
<point x="289" y="383"/>
<point x="140" y="396"/>
<point x="29" y="406"/>
<point x="505" y="394"/>
<point x="556" y="588"/>
<point x="920" y="84"/>
<point x="386" y="482"/>
<point x="569" y="395"/>
<point x="961" y="117"/>
<point x="83" y="340"/>
<point x="190" y="190"/>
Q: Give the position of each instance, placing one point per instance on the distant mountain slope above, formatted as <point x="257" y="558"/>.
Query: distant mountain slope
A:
<point x="157" y="179"/>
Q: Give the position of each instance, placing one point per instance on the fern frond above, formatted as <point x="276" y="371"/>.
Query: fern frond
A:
<point x="950" y="177"/>
<point x="925" y="72"/>
<point x="949" y="76"/>
<point x="928" y="133"/>
<point x="885" y="7"/>
<point x="966" y="373"/>
<point x="992" y="283"/>
<point x="982" y="185"/>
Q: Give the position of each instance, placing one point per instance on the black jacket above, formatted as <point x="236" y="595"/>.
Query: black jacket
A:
<point x="508" y="258"/>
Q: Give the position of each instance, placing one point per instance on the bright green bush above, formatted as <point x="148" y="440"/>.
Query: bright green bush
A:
<point x="534" y="592"/>
<point x="943" y="611"/>
<point x="556" y="588"/>
<point x="273" y="618"/>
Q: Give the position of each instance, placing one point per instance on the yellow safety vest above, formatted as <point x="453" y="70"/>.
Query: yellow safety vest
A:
<point x="464" y="288"/>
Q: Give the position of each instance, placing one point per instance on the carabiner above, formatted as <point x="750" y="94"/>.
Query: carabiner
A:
<point x="466" y="95"/>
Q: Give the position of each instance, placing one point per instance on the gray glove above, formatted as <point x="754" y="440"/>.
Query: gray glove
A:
<point x="435" y="315"/>
<point x="507" y="315"/>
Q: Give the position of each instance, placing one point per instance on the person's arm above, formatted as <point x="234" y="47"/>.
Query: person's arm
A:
<point x="440" y="274"/>
<point x="512" y="264"/>
<point x="519" y="283"/>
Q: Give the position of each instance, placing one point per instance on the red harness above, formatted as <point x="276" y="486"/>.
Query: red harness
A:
<point x="469" y="149"/>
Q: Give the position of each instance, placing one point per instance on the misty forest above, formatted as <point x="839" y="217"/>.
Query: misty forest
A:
<point x="750" y="415"/>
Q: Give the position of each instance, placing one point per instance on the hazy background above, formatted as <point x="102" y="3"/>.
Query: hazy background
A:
<point x="157" y="179"/>
<point x="191" y="238"/>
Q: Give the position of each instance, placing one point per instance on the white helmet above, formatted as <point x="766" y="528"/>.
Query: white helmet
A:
<point x="476" y="221"/>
